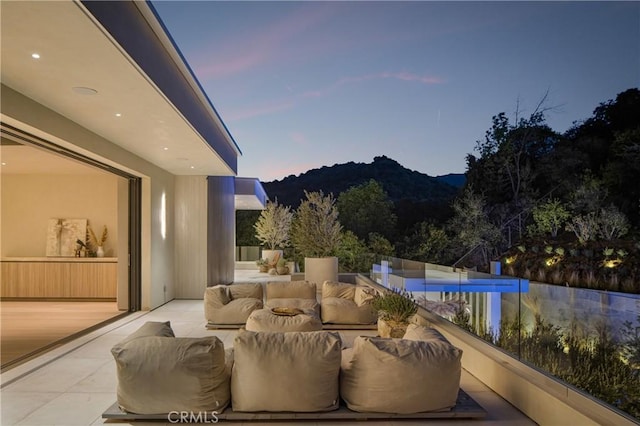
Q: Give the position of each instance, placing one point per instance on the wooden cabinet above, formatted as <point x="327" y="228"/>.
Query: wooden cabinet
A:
<point x="92" y="278"/>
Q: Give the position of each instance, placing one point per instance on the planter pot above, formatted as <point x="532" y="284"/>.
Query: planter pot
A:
<point x="271" y="254"/>
<point x="320" y="269"/>
<point x="391" y="328"/>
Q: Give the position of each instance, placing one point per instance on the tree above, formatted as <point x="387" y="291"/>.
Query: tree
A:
<point x="353" y="254"/>
<point x="379" y="245"/>
<point x="427" y="243"/>
<point x="366" y="208"/>
<point x="471" y="226"/>
<point x="245" y="231"/>
<point x="315" y="230"/>
<point x="550" y="217"/>
<point x="506" y="170"/>
<point x="273" y="225"/>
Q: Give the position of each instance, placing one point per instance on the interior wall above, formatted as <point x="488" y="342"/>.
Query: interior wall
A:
<point x="30" y="200"/>
<point x="157" y="269"/>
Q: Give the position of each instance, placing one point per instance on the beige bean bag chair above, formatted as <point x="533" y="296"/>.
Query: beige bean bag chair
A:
<point x="294" y="371"/>
<point x="158" y="373"/>
<point x="400" y="375"/>
<point x="292" y="294"/>
<point x="232" y="304"/>
<point x="344" y="303"/>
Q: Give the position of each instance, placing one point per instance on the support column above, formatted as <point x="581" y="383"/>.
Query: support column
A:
<point x="221" y="230"/>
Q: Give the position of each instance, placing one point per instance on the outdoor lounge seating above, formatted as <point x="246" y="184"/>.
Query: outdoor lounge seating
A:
<point x="156" y="370"/>
<point x="344" y="303"/>
<point x="232" y="304"/>
<point x="288" y="372"/>
<point x="292" y="294"/>
<point x="418" y="373"/>
<point x="267" y="320"/>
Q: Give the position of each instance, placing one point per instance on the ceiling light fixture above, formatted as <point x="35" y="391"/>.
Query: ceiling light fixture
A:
<point x="84" y="90"/>
<point x="118" y="114"/>
<point x="4" y="164"/>
<point x="35" y="55"/>
<point x="193" y="167"/>
<point x="165" y="148"/>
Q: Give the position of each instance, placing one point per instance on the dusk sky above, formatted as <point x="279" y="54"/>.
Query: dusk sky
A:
<point x="302" y="85"/>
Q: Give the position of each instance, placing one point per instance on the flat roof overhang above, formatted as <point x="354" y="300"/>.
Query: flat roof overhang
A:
<point x="99" y="59"/>
<point x="250" y="194"/>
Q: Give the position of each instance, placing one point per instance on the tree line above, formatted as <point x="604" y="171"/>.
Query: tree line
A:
<point x="523" y="181"/>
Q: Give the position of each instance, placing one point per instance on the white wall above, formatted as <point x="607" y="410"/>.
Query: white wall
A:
<point x="29" y="201"/>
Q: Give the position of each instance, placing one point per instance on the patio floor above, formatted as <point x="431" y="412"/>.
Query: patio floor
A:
<point x="75" y="383"/>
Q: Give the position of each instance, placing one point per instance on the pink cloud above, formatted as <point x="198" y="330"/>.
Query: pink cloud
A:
<point x="263" y="46"/>
<point x="299" y="138"/>
<point x="288" y="103"/>
<point x="265" y="109"/>
<point x="402" y="75"/>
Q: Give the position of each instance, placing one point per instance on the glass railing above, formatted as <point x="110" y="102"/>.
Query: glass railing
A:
<point x="588" y="338"/>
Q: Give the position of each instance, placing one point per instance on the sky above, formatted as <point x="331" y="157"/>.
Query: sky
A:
<point x="301" y="85"/>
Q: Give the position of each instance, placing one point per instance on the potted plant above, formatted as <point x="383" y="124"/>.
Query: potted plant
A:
<point x="281" y="267"/>
<point x="395" y="309"/>
<point x="272" y="230"/>
<point x="263" y="265"/>
<point x="97" y="244"/>
<point x="316" y="234"/>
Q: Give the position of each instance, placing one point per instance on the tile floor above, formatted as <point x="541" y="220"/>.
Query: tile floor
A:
<point x="75" y="383"/>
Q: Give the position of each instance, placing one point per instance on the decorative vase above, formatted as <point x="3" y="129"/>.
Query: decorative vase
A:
<point x="391" y="328"/>
<point x="100" y="252"/>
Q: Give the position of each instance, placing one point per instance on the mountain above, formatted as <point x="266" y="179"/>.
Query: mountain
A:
<point x="399" y="182"/>
<point x="454" y="179"/>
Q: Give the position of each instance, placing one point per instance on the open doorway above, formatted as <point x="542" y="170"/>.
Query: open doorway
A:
<point x="52" y="293"/>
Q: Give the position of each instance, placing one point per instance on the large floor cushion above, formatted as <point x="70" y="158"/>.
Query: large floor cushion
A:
<point x="266" y="320"/>
<point x="345" y="303"/>
<point x="292" y="294"/>
<point x="295" y="371"/>
<point x="158" y="374"/>
<point x="400" y="376"/>
<point x="232" y="304"/>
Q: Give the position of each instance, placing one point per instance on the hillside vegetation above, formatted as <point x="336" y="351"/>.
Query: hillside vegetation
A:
<point x="527" y="190"/>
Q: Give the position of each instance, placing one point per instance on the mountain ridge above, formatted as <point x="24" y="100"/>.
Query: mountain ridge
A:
<point x="399" y="182"/>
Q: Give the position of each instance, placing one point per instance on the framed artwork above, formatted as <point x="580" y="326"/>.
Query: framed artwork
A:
<point x="62" y="235"/>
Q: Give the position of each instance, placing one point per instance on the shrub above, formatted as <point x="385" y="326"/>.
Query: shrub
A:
<point x="585" y="227"/>
<point x="549" y="217"/>
<point x="613" y="223"/>
<point x="397" y="306"/>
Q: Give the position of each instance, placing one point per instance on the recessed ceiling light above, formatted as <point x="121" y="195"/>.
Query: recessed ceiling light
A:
<point x="84" y="90"/>
<point x="4" y="164"/>
<point x="166" y="148"/>
<point x="35" y="55"/>
<point x="118" y="114"/>
<point x="193" y="167"/>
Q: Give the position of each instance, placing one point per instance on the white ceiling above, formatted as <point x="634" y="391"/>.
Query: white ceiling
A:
<point x="75" y="52"/>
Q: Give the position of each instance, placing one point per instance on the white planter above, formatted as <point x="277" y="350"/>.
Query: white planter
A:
<point x="320" y="269"/>
<point x="271" y="254"/>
